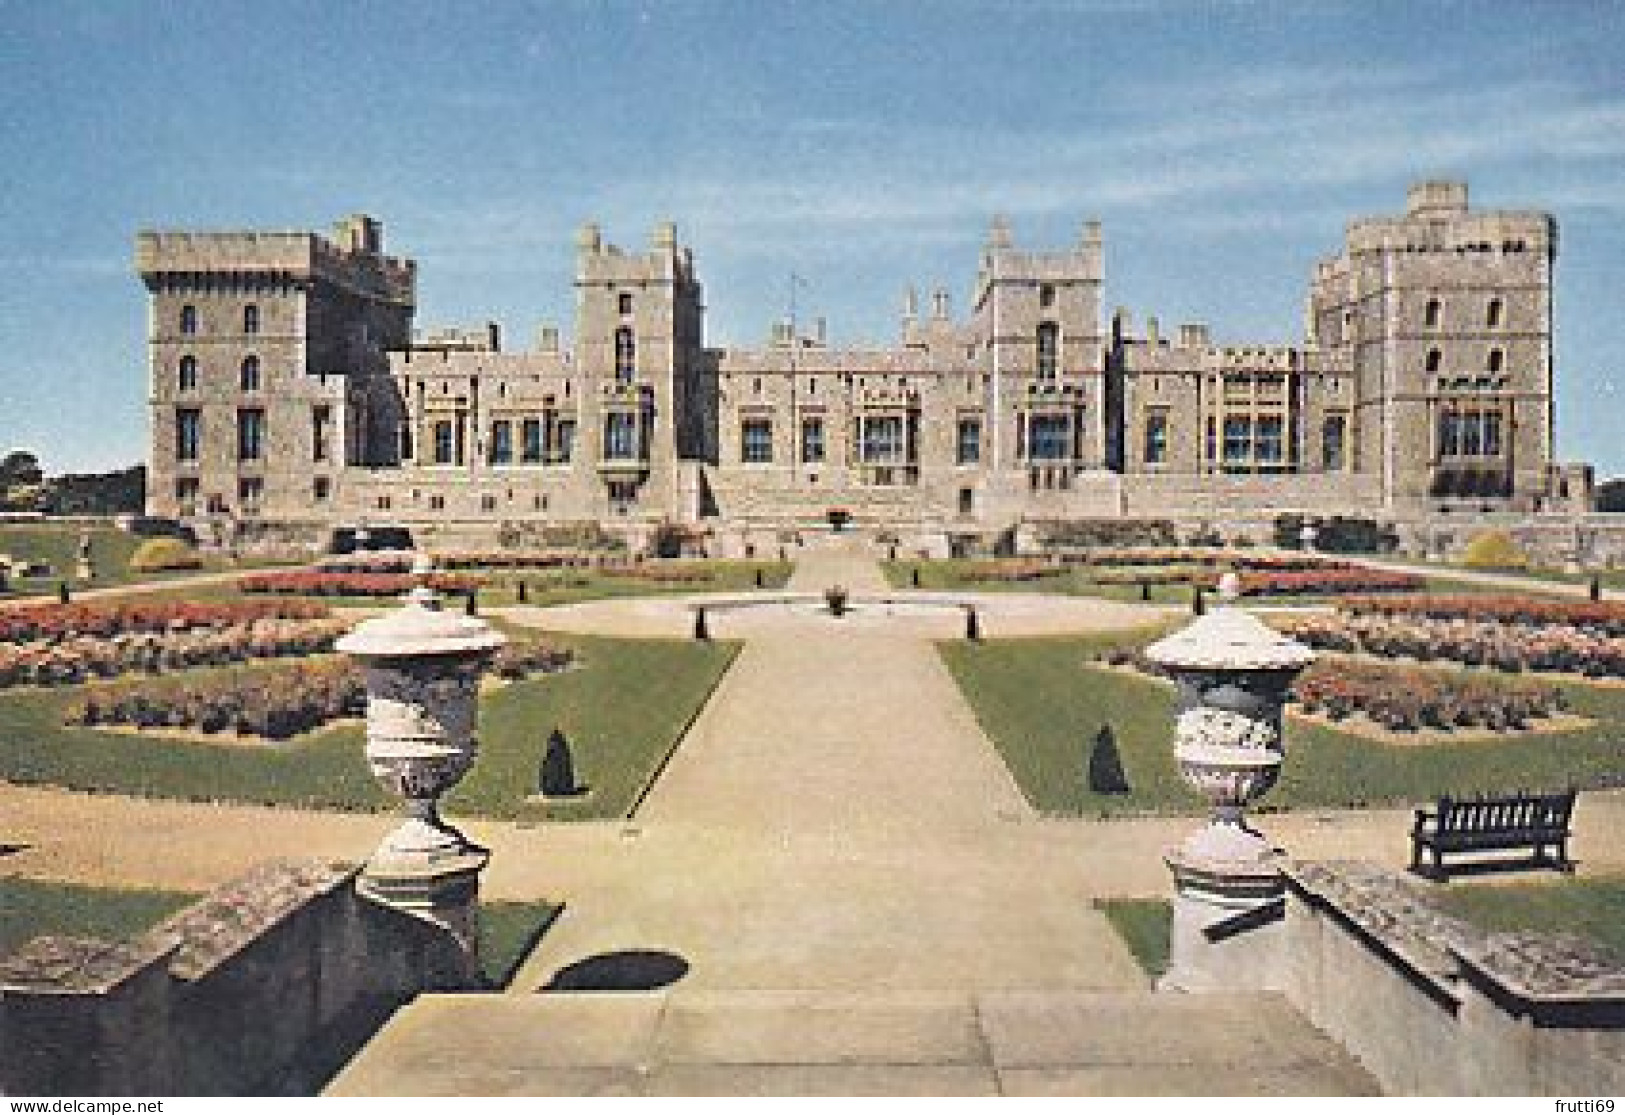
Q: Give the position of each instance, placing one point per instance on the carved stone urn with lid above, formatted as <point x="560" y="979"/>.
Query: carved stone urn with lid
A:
<point x="423" y="667"/>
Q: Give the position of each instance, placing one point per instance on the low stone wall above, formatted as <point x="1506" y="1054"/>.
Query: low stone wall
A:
<point x="228" y="997"/>
<point x="1434" y="1006"/>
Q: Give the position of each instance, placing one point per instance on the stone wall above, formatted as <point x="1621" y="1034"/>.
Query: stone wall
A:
<point x="1433" y="1006"/>
<point x="231" y="996"/>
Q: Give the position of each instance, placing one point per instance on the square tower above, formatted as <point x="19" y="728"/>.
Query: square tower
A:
<point x="267" y="373"/>
<point x="1445" y="317"/>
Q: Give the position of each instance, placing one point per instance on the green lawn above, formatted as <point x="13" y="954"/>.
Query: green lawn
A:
<point x="1146" y="926"/>
<point x="57" y="545"/>
<point x="1045" y="711"/>
<point x="1593" y="908"/>
<point x="508" y="933"/>
<point x="624" y="708"/>
<point x="29" y="908"/>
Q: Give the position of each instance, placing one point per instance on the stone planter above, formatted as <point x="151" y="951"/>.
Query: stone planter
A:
<point x="423" y="668"/>
<point x="1232" y="674"/>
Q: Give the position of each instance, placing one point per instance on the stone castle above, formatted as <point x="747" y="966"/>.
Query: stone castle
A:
<point x="291" y="397"/>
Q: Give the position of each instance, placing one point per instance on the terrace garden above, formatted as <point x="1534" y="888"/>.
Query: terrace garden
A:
<point x="1379" y="735"/>
<point x="136" y="698"/>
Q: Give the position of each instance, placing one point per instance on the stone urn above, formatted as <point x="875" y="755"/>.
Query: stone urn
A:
<point x="1232" y="674"/>
<point x="423" y="666"/>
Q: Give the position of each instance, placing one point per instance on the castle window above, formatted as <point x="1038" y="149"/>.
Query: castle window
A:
<point x="566" y="433"/>
<point x="250" y="434"/>
<point x="248" y="376"/>
<point x="969" y="444"/>
<point x="1238" y="440"/>
<point x="1046" y="295"/>
<point x="1049" y="437"/>
<point x="216" y="504"/>
<point x="188" y="320"/>
<point x="1431" y="316"/>
<point x="1492" y="315"/>
<point x="188" y="433"/>
<point x="187" y="374"/>
<point x="1497" y="358"/>
<point x="1333" y="434"/>
<point x="756" y="441"/>
<point x="444" y="443"/>
<point x="626" y="354"/>
<point x="250" y="490"/>
<point x="186" y="489"/>
<point x="321" y="489"/>
<point x="883" y="440"/>
<point x="812" y="440"/>
<point x="502" y="442"/>
<point x="251" y="319"/>
<point x="488" y="503"/>
<point x="625" y="304"/>
<point x="1049" y="349"/>
<point x="1156" y="439"/>
<point x="1434" y="359"/>
<point x="383" y="503"/>
<point x="321" y="418"/>
<point x="1267" y="443"/>
<point x="967" y="501"/>
<point x="620" y="436"/>
<point x="437" y="503"/>
<point x="530" y="441"/>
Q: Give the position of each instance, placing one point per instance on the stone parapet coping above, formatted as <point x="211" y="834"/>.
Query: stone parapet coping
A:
<point x="1531" y="973"/>
<point x="190" y="944"/>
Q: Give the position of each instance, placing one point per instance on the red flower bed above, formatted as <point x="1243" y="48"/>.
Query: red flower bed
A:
<point x="1507" y="646"/>
<point x="45" y="622"/>
<point x="1009" y="570"/>
<point x="307" y="583"/>
<point x="1324" y="581"/>
<point x="275" y="704"/>
<point x="1403" y="698"/>
<point x="1600" y="617"/>
<point x="79" y="658"/>
<point x="666" y="573"/>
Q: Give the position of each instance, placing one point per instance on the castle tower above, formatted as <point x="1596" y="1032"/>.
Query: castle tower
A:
<point x="267" y="370"/>
<point x="1445" y="314"/>
<point x="1039" y="313"/>
<point x="639" y="348"/>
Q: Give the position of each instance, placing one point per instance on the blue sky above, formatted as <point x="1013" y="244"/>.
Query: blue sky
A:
<point x="862" y="145"/>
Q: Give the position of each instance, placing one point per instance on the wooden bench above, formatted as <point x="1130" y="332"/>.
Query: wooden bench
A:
<point x="1492" y="824"/>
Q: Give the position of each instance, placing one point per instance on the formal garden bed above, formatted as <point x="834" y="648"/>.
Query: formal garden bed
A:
<point x="1407" y="704"/>
<point x="510" y="584"/>
<point x="274" y="704"/>
<point x="1051" y="716"/>
<point x="56" y="645"/>
<point x="623" y="708"/>
<point x="1508" y="633"/>
<point x="1158" y="575"/>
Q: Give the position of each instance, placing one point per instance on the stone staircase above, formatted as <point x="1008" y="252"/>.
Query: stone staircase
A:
<point x="791" y="1043"/>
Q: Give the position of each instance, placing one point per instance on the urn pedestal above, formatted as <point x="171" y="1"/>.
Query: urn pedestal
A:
<point x="1233" y="674"/>
<point x="423" y="668"/>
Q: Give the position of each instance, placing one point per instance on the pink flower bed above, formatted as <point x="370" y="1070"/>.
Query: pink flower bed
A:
<point x="307" y="583"/>
<point x="45" y="622"/>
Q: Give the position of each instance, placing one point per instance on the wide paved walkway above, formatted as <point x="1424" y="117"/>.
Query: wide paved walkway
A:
<point x="859" y="831"/>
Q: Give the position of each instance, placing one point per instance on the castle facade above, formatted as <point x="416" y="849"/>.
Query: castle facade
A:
<point x="291" y="396"/>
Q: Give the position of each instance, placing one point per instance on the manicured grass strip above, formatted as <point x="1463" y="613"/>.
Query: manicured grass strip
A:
<point x="622" y="708"/>
<point x="1044" y="709"/>
<point x="30" y="908"/>
<point x="1593" y="908"/>
<point x="622" y="713"/>
<point x="508" y="932"/>
<point x="1146" y="926"/>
